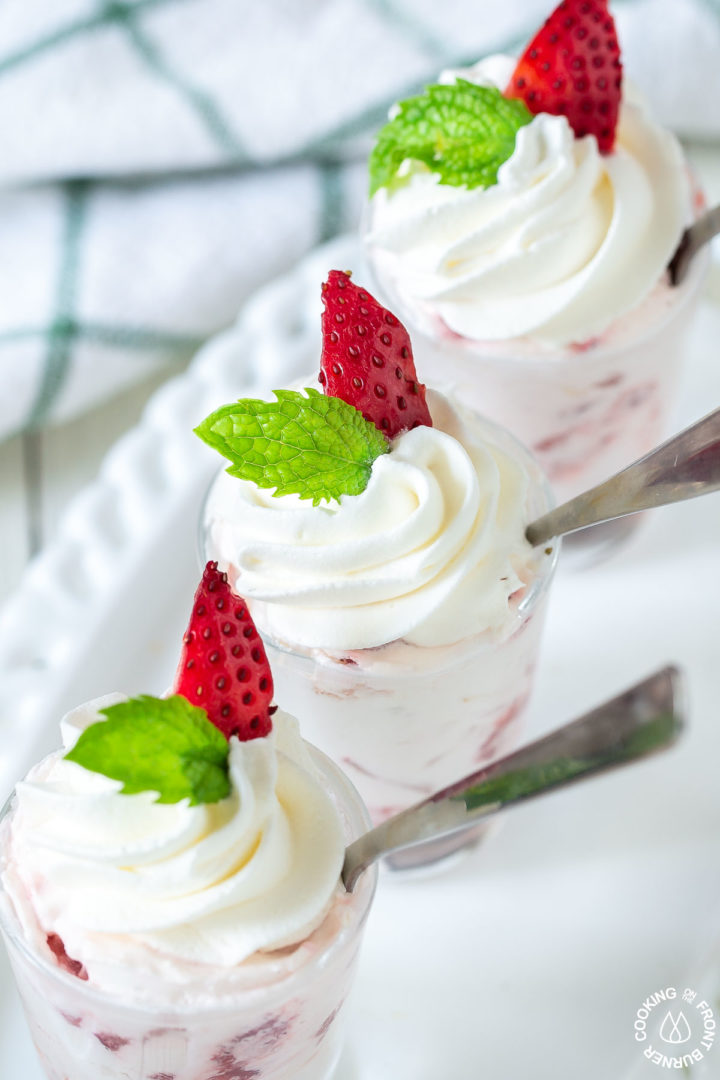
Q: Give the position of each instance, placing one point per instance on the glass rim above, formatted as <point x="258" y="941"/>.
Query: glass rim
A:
<point x="243" y="998"/>
<point x="547" y="554"/>
<point x="501" y="350"/>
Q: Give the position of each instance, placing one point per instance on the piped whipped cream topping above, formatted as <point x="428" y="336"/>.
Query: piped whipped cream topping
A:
<point x="429" y="553"/>
<point x="133" y="886"/>
<point x="567" y="241"/>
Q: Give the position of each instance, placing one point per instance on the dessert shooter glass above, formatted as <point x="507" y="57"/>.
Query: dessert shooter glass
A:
<point x="288" y="1029"/>
<point x="586" y="410"/>
<point x="404" y="721"/>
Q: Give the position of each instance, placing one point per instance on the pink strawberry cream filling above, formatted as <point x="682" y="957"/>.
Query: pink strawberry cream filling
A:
<point x="176" y="903"/>
<point x="568" y="241"/>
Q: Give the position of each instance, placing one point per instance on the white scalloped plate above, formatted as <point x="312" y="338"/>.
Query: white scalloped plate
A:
<point x="531" y="958"/>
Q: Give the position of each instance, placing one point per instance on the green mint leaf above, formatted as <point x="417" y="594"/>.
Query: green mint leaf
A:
<point x="462" y="132"/>
<point x="317" y="447"/>
<point x="158" y="744"/>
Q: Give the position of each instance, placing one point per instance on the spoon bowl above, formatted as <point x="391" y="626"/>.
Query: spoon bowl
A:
<point x="692" y="240"/>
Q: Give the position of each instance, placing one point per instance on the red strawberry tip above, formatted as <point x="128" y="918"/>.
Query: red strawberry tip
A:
<point x="572" y="67"/>
<point x="223" y="665"/>
<point x="367" y="358"/>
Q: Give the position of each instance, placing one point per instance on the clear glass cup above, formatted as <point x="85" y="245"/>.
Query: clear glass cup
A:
<point x="287" y="1029"/>
<point x="587" y="410"/>
<point x="404" y="721"/>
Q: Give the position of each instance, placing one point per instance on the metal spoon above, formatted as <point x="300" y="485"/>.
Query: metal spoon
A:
<point x="684" y="467"/>
<point x="645" y="719"/>
<point x="694" y="238"/>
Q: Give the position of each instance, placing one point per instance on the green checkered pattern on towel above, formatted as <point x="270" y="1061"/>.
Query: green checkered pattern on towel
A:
<point x="179" y="184"/>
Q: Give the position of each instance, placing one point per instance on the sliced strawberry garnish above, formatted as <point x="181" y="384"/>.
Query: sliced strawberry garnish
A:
<point x="572" y="67"/>
<point x="367" y="358"/>
<point x="223" y="665"/>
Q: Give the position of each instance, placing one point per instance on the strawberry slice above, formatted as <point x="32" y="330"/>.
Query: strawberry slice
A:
<point x="572" y="67"/>
<point x="367" y="358"/>
<point x="223" y="665"/>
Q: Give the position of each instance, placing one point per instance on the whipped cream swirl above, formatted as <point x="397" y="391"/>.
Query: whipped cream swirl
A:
<point x="429" y="553"/>
<point x="565" y="242"/>
<point x="131" y="885"/>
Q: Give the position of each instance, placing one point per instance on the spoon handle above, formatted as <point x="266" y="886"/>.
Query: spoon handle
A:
<point x="643" y="720"/>
<point x="694" y="237"/>
<point x="684" y="467"/>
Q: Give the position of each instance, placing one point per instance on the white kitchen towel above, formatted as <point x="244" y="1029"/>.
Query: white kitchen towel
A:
<point x="162" y="158"/>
